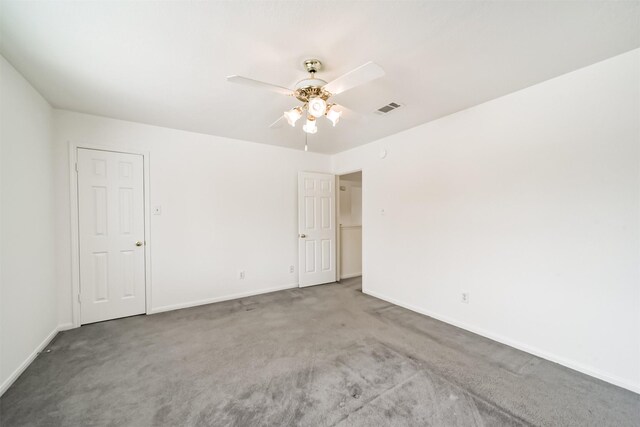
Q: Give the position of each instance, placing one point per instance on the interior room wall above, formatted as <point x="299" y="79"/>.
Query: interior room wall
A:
<point x="28" y="310"/>
<point x="226" y="206"/>
<point x="350" y="202"/>
<point x="529" y="203"/>
<point x="350" y="219"/>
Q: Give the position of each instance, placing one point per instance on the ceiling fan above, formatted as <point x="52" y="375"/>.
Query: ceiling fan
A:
<point x="314" y="93"/>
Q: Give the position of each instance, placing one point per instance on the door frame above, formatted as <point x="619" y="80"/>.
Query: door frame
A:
<point x="75" y="234"/>
<point x="338" y="232"/>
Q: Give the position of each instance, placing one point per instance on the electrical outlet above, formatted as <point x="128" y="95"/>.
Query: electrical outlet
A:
<point x="241" y="274"/>
<point x="464" y="298"/>
<point x="292" y="269"/>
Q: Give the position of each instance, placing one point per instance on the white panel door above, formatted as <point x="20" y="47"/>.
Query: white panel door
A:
<point x="316" y="228"/>
<point x="111" y="234"/>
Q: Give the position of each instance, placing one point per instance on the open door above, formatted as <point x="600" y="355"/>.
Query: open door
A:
<point x="316" y="228"/>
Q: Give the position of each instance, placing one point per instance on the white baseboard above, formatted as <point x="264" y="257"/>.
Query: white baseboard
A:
<point x="350" y="275"/>
<point x="24" y="365"/>
<point x="620" y="382"/>
<point x="220" y="299"/>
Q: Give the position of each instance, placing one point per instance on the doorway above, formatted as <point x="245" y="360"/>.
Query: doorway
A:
<point x="350" y="228"/>
<point x="111" y="234"/>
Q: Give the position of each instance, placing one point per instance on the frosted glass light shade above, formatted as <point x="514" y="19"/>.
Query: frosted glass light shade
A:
<point x="334" y="116"/>
<point x="317" y="107"/>
<point x="293" y="115"/>
<point x="310" y="126"/>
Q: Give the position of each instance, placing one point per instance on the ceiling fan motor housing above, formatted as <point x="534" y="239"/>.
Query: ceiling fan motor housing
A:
<point x="310" y="88"/>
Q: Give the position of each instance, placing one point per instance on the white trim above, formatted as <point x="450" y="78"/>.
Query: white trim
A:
<point x="338" y="229"/>
<point x="620" y="382"/>
<point x="75" y="265"/>
<point x="75" y="249"/>
<point x="363" y="237"/>
<point x="348" y="172"/>
<point x="24" y="365"/>
<point x="220" y="299"/>
<point x="339" y="275"/>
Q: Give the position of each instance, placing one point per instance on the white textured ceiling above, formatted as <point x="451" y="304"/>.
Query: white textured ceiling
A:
<point x="165" y="63"/>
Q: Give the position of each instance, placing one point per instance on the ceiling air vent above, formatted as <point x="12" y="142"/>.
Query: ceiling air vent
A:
<point x="388" y="108"/>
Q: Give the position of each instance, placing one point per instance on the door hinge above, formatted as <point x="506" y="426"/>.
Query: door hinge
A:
<point x="79" y="298"/>
<point x="76" y="167"/>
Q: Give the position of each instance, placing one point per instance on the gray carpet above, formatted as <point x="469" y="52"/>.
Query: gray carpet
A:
<point x="322" y="356"/>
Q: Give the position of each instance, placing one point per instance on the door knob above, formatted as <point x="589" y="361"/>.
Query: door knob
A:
<point x="138" y="243"/>
<point x="302" y="236"/>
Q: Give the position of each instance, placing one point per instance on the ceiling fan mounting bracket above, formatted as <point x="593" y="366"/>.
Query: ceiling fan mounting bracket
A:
<point x="312" y="65"/>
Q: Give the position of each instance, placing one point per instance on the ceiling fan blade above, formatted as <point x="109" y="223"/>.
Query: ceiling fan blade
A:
<point x="256" y="83"/>
<point x="348" y="113"/>
<point x="278" y="123"/>
<point x="361" y="75"/>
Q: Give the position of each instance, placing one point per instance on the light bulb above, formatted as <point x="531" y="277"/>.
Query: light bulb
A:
<point x="334" y="116"/>
<point x="293" y="115"/>
<point x="317" y="107"/>
<point x="310" y="126"/>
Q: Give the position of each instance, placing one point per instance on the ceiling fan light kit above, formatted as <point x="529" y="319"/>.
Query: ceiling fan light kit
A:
<point x="314" y="93"/>
<point x="311" y="92"/>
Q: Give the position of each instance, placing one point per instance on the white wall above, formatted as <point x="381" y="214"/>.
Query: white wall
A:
<point x="28" y="309"/>
<point x="350" y="251"/>
<point x="350" y="203"/>
<point x="530" y="203"/>
<point x="227" y="205"/>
